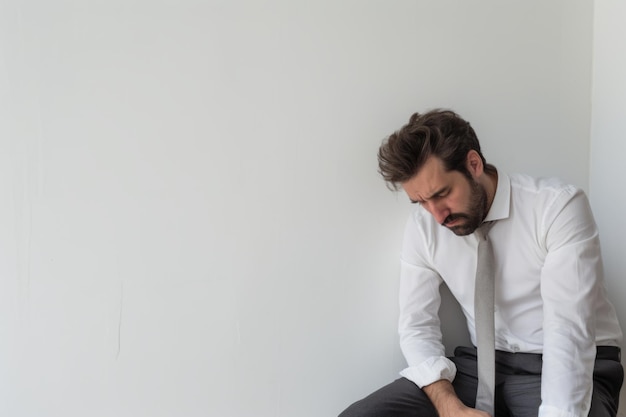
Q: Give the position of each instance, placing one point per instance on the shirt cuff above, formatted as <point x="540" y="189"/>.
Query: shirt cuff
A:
<point x="550" y="411"/>
<point x="431" y="370"/>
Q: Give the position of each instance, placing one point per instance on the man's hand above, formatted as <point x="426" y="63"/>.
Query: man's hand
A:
<point x="445" y="400"/>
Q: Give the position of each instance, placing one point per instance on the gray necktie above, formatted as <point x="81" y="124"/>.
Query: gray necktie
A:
<point x="484" y="317"/>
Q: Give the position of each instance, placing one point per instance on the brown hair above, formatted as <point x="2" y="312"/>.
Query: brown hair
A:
<point x="440" y="133"/>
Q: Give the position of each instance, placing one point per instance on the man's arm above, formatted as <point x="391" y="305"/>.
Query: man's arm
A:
<point x="446" y="402"/>
<point x="419" y="328"/>
<point x="418" y="324"/>
<point x="570" y="282"/>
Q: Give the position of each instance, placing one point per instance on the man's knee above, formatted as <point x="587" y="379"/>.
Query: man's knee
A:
<point x="401" y="398"/>
<point x="357" y="410"/>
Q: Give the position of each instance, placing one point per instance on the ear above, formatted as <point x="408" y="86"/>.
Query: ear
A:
<point x="474" y="164"/>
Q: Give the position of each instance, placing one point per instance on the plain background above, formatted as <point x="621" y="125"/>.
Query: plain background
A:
<point x="191" y="221"/>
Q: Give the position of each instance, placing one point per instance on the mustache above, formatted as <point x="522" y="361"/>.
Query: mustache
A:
<point x="454" y="216"/>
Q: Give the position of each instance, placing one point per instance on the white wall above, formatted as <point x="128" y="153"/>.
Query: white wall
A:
<point x="608" y="147"/>
<point x="191" y="222"/>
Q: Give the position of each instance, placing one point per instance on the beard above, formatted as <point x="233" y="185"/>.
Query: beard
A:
<point x="475" y="214"/>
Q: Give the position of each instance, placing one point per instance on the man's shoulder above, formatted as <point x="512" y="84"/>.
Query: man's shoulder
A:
<point x="422" y="225"/>
<point x="523" y="183"/>
<point x="544" y="195"/>
<point x="423" y="220"/>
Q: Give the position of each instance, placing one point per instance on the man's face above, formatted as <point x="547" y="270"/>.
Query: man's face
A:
<point x="456" y="202"/>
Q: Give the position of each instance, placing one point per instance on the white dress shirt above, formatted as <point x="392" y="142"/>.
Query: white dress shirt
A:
<point x="550" y="294"/>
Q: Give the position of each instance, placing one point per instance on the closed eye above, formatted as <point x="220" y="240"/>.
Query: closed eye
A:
<point x="440" y="194"/>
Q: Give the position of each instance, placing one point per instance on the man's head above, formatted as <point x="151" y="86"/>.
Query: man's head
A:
<point x="436" y="159"/>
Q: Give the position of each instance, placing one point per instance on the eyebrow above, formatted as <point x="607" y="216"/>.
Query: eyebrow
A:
<point x="433" y="195"/>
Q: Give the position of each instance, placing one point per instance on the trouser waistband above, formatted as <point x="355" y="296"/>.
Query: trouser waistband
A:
<point x="612" y="353"/>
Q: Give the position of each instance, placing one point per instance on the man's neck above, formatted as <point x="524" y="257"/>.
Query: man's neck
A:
<point x="490" y="184"/>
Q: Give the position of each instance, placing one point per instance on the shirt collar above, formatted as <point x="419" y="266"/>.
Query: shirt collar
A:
<point x="500" y="208"/>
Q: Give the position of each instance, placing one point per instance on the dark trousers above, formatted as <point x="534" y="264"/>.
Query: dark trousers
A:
<point x="518" y="387"/>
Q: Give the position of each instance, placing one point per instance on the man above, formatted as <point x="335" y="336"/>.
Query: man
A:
<point x="556" y="333"/>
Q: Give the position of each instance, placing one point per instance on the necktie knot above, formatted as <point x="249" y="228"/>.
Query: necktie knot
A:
<point x="483" y="230"/>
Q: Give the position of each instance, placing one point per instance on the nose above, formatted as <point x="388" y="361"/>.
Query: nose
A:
<point x="438" y="210"/>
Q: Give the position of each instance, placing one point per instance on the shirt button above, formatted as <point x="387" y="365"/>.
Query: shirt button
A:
<point x="514" y="347"/>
